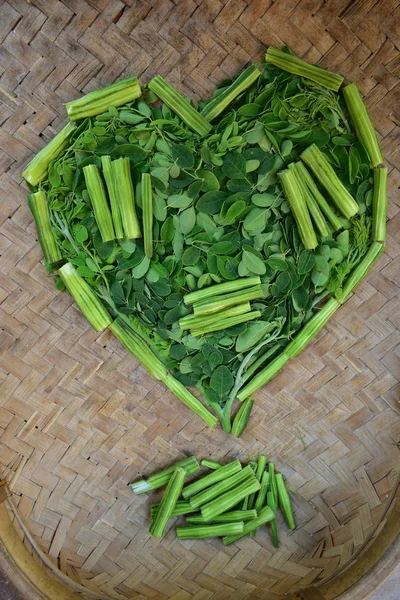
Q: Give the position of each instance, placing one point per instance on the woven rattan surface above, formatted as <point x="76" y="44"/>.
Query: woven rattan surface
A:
<point x="87" y="419"/>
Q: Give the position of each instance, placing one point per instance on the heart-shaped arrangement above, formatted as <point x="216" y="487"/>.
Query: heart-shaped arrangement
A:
<point x="214" y="243"/>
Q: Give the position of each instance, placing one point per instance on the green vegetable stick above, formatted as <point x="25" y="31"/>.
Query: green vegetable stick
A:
<point x="253" y="466"/>
<point x="232" y="516"/>
<point x="214" y="491"/>
<point x="271" y="471"/>
<point x="311" y="328"/>
<point x="39" y="208"/>
<point x="322" y="203"/>
<point x="379" y="205"/>
<point x="141" y="351"/>
<point x="211" y="464"/>
<point x="98" y="101"/>
<point x="157" y="480"/>
<point x="121" y="169"/>
<point x="272" y="502"/>
<point x="198" y="322"/>
<point x="147" y="208"/>
<point x="242" y="417"/>
<point x="295" y="65"/>
<point x="262" y="494"/>
<point x="360" y="271"/>
<point x="221" y="288"/>
<point x="265" y="515"/>
<point x="221" y="473"/>
<point x="262" y="461"/>
<point x="312" y="205"/>
<point x="85" y="298"/>
<point x="182" y="507"/>
<point x="218" y="104"/>
<point x="225" y="323"/>
<point x="263" y="376"/>
<point x="284" y="501"/>
<point x="98" y="198"/>
<point x="168" y="503"/>
<point x="220" y="303"/>
<point x="323" y="171"/>
<point x="176" y="102"/>
<point x="298" y="206"/>
<point x="195" y="532"/>
<point x="109" y="179"/>
<point x="226" y="501"/>
<point x="36" y="170"/>
<point x="363" y="124"/>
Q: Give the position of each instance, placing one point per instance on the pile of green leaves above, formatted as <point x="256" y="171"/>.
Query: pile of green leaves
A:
<point x="219" y="214"/>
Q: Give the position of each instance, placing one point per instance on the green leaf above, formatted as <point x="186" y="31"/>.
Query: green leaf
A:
<point x="306" y="262"/>
<point x="210" y="181"/>
<point x="183" y="156"/>
<point x="133" y="152"/>
<point x="187" y="220"/>
<point x="300" y="298"/>
<point x="141" y="269"/>
<point x="318" y="278"/>
<point x="179" y="201"/>
<point x="167" y="231"/>
<point x="234" y="166"/>
<point x="256" y="219"/>
<point x="264" y="200"/>
<point x="254" y="333"/>
<point x="253" y="263"/>
<point x="277" y="264"/>
<point x="250" y="110"/>
<point x="221" y="248"/>
<point x="211" y="202"/>
<point x="190" y="256"/>
<point x="221" y="381"/>
<point x="80" y="233"/>
<point x="235" y="210"/>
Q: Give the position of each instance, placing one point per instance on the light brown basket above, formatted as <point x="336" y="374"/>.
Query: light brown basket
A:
<point x="82" y="418"/>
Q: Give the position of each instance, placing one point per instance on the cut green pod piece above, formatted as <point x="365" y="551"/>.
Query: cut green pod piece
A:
<point x="262" y="494"/>
<point x="266" y="515"/>
<point x="312" y="205"/>
<point x="284" y="501"/>
<point x="272" y="502"/>
<point x="379" y="205"/>
<point x="157" y="480"/>
<point x="193" y="322"/>
<point x="360" y="271"/>
<point x="218" y="104"/>
<point x="136" y="346"/>
<point x="214" y="491"/>
<point x="196" y="532"/>
<point x="262" y="461"/>
<point x="363" y="124"/>
<point x="147" y="209"/>
<point x="292" y="64"/>
<point x="121" y="169"/>
<point x="110" y="183"/>
<point x="36" y="170"/>
<point x="297" y="202"/>
<point x="311" y="328"/>
<point x="325" y="174"/>
<point x="263" y="376"/>
<point x="38" y="205"/>
<point x="97" y="102"/>
<point x="225" y="323"/>
<point x="210" y="464"/>
<point x="221" y="473"/>
<point x="322" y="203"/>
<point x="229" y="499"/>
<point x="176" y="102"/>
<point x="233" y="516"/>
<point x="220" y="303"/>
<point x="168" y="502"/>
<point x="85" y="298"/>
<point x="98" y="198"/>
<point x="182" y="507"/>
<point x="221" y="288"/>
<point x="242" y="417"/>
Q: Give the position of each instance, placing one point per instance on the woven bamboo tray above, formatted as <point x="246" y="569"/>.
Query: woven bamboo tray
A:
<point x="79" y="418"/>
